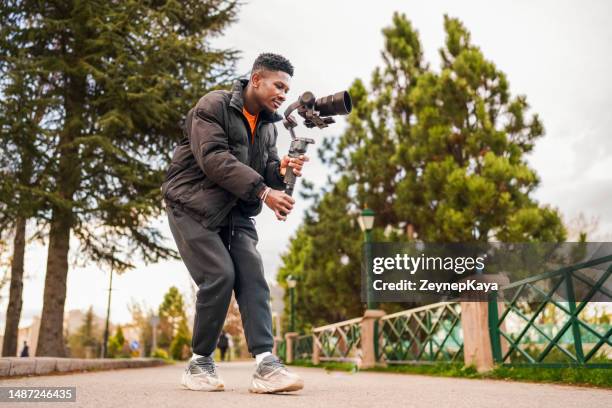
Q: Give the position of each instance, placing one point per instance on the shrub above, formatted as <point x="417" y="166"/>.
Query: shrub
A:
<point x="160" y="353"/>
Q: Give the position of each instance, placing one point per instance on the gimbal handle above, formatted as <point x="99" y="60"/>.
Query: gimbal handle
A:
<point x="298" y="147"/>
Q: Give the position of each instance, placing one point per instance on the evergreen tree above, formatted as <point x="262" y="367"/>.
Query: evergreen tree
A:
<point x="13" y="310"/>
<point x="119" y="336"/>
<point x="88" y="333"/>
<point x="87" y="336"/>
<point x="171" y="315"/>
<point x="4" y="275"/>
<point x="180" y="346"/>
<point x="439" y="156"/>
<point x="465" y="176"/>
<point x="327" y="289"/>
<point x="23" y="166"/>
<point x="141" y="316"/>
<point x="118" y="77"/>
<point x="116" y="343"/>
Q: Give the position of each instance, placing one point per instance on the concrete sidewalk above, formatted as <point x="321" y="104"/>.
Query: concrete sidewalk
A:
<point x="159" y="387"/>
<point x="20" y="366"/>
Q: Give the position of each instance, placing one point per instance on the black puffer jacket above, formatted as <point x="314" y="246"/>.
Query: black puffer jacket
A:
<point x="215" y="167"/>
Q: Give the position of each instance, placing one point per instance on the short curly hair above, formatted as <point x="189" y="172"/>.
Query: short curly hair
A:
<point x="273" y="62"/>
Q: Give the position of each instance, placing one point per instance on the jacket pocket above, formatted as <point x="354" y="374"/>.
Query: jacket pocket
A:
<point x="208" y="201"/>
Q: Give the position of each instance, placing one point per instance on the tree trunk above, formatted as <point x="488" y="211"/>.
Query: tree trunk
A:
<point x="13" y="311"/>
<point x="51" y="336"/>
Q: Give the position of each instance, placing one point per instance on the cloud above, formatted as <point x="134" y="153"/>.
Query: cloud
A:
<point x="552" y="51"/>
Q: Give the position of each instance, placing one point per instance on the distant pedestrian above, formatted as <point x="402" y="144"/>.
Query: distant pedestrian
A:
<point x="230" y="346"/>
<point x="25" y="351"/>
<point x="223" y="344"/>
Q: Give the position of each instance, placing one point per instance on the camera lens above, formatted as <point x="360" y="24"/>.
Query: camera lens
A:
<point x="307" y="99"/>
<point x="337" y="104"/>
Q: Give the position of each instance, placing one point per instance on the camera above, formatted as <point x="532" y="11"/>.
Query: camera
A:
<point x="316" y="113"/>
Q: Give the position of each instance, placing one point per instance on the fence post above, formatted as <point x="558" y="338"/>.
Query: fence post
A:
<point x="289" y="346"/>
<point x="316" y="350"/>
<point x="475" y="322"/>
<point x="369" y="337"/>
<point x="477" y="349"/>
<point x="275" y="350"/>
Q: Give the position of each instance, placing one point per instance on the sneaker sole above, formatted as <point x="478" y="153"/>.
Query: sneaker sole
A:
<point x="204" y="387"/>
<point x="287" y="388"/>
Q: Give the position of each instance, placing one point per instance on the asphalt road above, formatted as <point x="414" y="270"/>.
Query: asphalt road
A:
<point x="159" y="387"/>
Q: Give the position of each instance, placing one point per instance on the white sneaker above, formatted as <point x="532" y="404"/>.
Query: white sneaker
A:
<point x="201" y="375"/>
<point x="272" y="376"/>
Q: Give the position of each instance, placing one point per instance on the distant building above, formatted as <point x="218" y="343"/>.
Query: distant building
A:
<point x="73" y="320"/>
<point x="27" y="333"/>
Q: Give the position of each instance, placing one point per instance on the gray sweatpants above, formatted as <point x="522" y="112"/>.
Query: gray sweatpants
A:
<point x="221" y="260"/>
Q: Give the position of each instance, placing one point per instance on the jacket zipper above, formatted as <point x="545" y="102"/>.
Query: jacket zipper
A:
<point x="224" y="212"/>
<point x="260" y="143"/>
<point x="251" y="136"/>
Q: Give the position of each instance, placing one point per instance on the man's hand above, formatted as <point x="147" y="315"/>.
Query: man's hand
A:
<point x="280" y="203"/>
<point x="293" y="162"/>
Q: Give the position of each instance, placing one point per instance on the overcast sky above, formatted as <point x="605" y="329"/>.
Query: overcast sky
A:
<point x="555" y="52"/>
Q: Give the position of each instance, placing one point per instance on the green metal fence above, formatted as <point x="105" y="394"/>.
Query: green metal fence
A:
<point x="281" y="349"/>
<point x="425" y="334"/>
<point x="555" y="330"/>
<point x="339" y="341"/>
<point x="302" y="347"/>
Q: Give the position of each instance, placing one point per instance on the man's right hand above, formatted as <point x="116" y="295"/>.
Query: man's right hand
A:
<point x="280" y="203"/>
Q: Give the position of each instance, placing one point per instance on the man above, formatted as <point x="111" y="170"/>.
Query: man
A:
<point x="221" y="174"/>
<point x="223" y="344"/>
<point x="25" y="351"/>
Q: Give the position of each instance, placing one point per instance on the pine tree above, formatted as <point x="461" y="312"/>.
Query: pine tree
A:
<point x="141" y="316"/>
<point x="463" y="160"/>
<point x="13" y="310"/>
<point x="119" y="76"/>
<point x="4" y="264"/>
<point x="327" y="290"/>
<point x="119" y="336"/>
<point x="23" y="166"/>
<point x="181" y="342"/>
<point x="116" y="343"/>
<point x="171" y="314"/>
<point x="86" y="337"/>
<point x="439" y="156"/>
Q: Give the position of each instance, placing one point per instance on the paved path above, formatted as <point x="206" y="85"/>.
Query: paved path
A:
<point x="159" y="387"/>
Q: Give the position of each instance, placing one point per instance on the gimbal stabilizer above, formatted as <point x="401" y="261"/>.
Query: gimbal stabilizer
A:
<point x="316" y="112"/>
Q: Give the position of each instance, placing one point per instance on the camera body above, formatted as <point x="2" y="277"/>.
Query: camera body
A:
<point x="316" y="113"/>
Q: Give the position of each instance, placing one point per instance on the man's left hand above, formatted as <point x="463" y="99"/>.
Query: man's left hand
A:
<point x="295" y="163"/>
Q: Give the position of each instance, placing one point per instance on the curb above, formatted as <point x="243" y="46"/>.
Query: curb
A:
<point x="21" y="366"/>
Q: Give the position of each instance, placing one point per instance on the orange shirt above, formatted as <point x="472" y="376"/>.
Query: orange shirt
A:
<point x="252" y="119"/>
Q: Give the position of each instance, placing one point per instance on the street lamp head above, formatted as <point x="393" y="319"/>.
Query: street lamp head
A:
<point x="344" y="259"/>
<point x="291" y="281"/>
<point x="366" y="219"/>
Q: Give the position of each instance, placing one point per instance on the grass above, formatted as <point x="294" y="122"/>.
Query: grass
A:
<point x="328" y="365"/>
<point x="596" y="377"/>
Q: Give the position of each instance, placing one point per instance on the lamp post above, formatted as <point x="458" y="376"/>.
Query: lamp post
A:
<point x="291" y="283"/>
<point x="154" y="322"/>
<point x="366" y="222"/>
<point x="106" y="331"/>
